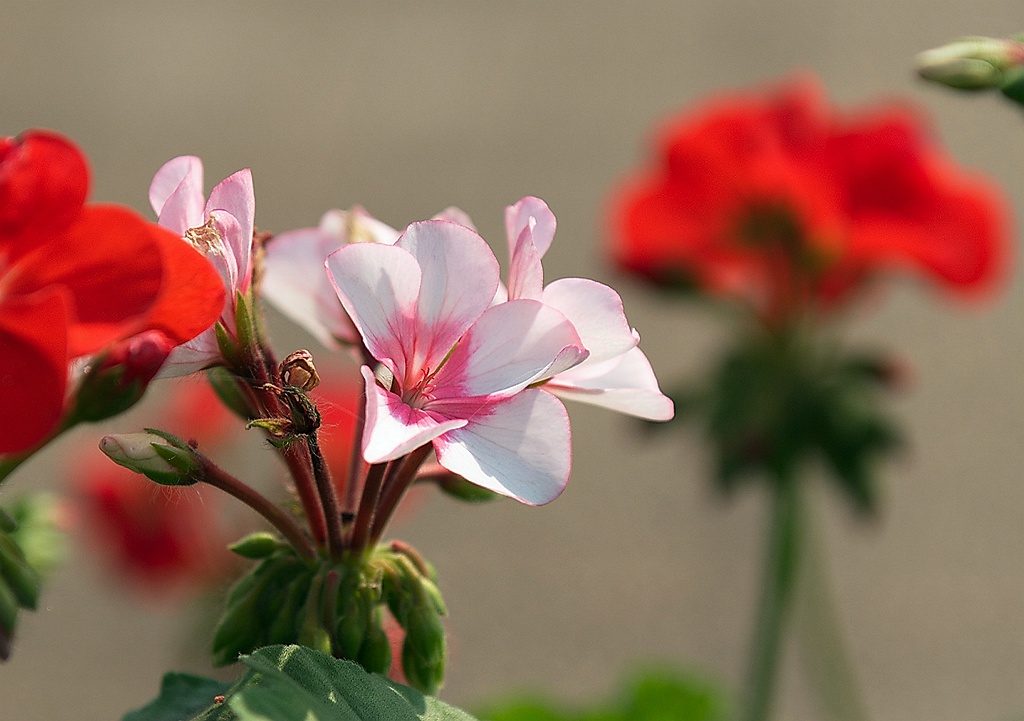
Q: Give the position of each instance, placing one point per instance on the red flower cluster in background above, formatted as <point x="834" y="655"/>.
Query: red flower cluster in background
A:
<point x="76" y="278"/>
<point x="782" y="201"/>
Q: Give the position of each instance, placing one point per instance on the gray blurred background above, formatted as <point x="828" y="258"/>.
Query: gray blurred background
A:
<point x="408" y="107"/>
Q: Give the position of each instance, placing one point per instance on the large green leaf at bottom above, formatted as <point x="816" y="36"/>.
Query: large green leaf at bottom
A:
<point x="294" y="683"/>
<point x="182" y="696"/>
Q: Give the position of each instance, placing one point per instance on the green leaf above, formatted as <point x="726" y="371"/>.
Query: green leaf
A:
<point x="182" y="696"/>
<point x="293" y="683"/>
<point x="652" y="695"/>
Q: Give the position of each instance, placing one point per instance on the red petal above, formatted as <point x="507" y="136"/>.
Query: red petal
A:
<point x="33" y="367"/>
<point x="44" y="180"/>
<point x="192" y="294"/>
<point x="110" y="263"/>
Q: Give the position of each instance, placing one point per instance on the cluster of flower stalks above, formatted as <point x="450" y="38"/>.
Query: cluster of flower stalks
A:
<point x="461" y="377"/>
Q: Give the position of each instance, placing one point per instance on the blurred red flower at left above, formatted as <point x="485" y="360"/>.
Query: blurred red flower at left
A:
<point x="75" y="278"/>
<point x="155" y="539"/>
<point x="158" y="540"/>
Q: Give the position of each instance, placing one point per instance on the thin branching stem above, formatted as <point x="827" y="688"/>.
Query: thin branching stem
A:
<point x="219" y="478"/>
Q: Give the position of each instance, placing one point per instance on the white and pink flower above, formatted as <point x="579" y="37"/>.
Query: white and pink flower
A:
<point x="617" y="374"/>
<point x="460" y="368"/>
<point x="221" y="228"/>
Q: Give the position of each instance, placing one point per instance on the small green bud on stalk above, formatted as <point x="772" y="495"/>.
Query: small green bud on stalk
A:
<point x="256" y="546"/>
<point x="158" y="456"/>
<point x="971" y="63"/>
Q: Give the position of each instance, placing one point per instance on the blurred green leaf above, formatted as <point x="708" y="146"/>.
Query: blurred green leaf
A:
<point x="652" y="695"/>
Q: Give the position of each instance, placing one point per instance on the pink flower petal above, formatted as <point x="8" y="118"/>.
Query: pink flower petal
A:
<point x="460" y="276"/>
<point x="519" y="447"/>
<point x="456" y="215"/>
<point x="394" y="428"/>
<point x="625" y="384"/>
<point x="518" y="217"/>
<point x="510" y="346"/>
<point x="184" y="206"/>
<point x="296" y="284"/>
<point x="234" y="195"/>
<point x="379" y="285"/>
<point x="169" y="177"/>
<point x="525" y="272"/>
<point x="195" y="355"/>
<point x="596" y="312"/>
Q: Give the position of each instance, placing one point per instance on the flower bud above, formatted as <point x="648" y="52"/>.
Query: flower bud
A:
<point x="375" y="653"/>
<point x="423" y="651"/>
<point x="298" y="370"/>
<point x="972" y="63"/>
<point x="257" y="545"/>
<point x="159" y="457"/>
<point x="119" y="379"/>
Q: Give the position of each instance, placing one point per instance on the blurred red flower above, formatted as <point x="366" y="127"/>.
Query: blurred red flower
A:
<point x="161" y="540"/>
<point x="780" y="200"/>
<point x="75" y="278"/>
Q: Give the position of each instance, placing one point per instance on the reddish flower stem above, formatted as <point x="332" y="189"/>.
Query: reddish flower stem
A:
<point x="357" y="466"/>
<point x="219" y="478"/>
<point x="358" y="541"/>
<point x="328" y="497"/>
<point x="395" y="487"/>
<point x="295" y="456"/>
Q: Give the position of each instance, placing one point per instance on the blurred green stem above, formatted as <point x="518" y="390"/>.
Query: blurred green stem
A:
<point x="780" y="573"/>
<point x="822" y="651"/>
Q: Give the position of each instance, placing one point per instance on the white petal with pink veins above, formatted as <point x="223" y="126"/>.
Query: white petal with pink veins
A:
<point x="379" y="285"/>
<point x="460" y="275"/>
<point x="625" y="384"/>
<point x="511" y="346"/>
<point x="519" y="447"/>
<point x="596" y="311"/>
<point x="394" y="428"/>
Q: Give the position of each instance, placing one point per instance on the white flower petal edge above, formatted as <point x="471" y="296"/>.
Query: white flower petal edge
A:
<point x="596" y="312"/>
<point x="519" y="448"/>
<point x="625" y="384"/>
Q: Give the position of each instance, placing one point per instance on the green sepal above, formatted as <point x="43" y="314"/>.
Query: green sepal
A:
<point x="245" y="322"/>
<point x="225" y="385"/>
<point x="228" y="345"/>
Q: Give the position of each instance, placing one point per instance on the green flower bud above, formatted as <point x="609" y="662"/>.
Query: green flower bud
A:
<point x="158" y="456"/>
<point x="423" y="651"/>
<point x="353" y="622"/>
<point x="256" y="545"/>
<point x="375" y="653"/>
<point x="972" y="63"/>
